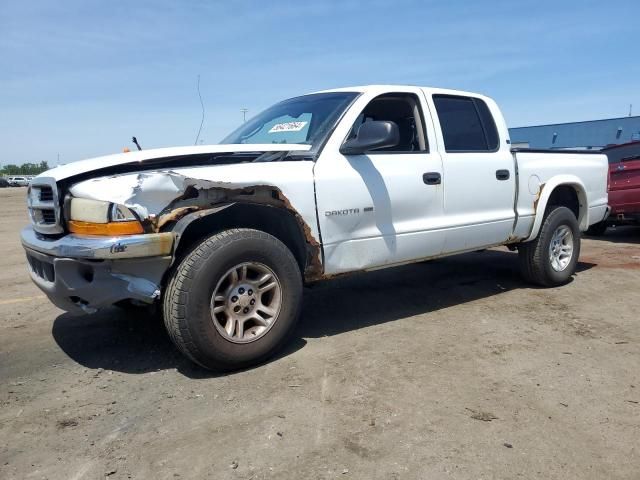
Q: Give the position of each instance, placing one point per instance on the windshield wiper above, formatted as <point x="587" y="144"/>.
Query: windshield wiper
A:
<point x="271" y="156"/>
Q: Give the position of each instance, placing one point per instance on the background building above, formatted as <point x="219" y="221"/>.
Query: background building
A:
<point x="593" y="134"/>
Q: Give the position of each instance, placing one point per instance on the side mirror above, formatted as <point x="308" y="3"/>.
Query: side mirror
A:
<point x="371" y="136"/>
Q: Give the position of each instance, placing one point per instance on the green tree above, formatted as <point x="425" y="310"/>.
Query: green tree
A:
<point x="25" y="169"/>
<point x="11" y="169"/>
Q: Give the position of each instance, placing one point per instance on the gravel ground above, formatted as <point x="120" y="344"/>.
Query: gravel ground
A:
<point x="447" y="369"/>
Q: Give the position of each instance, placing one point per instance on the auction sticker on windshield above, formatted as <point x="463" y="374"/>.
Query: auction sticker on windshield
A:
<point x="287" y="127"/>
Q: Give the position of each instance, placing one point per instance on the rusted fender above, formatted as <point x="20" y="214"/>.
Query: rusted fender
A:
<point x="163" y="197"/>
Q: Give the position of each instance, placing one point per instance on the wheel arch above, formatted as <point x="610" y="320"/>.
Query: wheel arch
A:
<point x="280" y="222"/>
<point x="564" y="190"/>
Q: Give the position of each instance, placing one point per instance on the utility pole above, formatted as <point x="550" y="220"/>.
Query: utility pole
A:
<point x="630" y="109"/>
<point x="244" y="114"/>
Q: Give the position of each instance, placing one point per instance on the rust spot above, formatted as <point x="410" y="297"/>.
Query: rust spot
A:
<point x="537" y="199"/>
<point x="314" y="269"/>
<point x="166" y="243"/>
<point x="173" y="216"/>
<point x="204" y="195"/>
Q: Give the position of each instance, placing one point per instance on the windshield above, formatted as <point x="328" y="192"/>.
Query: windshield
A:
<point x="303" y="120"/>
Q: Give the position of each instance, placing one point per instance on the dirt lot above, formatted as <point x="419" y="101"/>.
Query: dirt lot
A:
<point x="447" y="369"/>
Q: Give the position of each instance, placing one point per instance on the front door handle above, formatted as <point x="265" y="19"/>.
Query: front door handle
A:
<point x="432" y="178"/>
<point x="503" y="174"/>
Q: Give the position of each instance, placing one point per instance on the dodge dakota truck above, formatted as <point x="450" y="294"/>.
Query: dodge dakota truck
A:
<point x="223" y="237"/>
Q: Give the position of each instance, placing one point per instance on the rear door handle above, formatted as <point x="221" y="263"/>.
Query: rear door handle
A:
<point x="432" y="178"/>
<point x="503" y="174"/>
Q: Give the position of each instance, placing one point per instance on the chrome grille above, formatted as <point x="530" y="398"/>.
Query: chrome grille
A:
<point x="48" y="216"/>
<point x="42" y="216"/>
<point x="44" y="206"/>
<point x="46" y="193"/>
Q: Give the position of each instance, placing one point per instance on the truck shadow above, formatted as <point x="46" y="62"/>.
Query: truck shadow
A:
<point x="377" y="297"/>
<point x="121" y="340"/>
<point x="622" y="234"/>
<point x="132" y="342"/>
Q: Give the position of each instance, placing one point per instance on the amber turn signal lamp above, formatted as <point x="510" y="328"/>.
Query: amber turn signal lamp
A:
<point x="109" y="229"/>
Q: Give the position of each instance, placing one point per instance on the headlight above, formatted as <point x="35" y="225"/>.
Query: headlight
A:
<point x="95" y="217"/>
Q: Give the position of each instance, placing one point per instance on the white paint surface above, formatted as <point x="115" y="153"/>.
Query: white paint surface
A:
<point x="409" y="220"/>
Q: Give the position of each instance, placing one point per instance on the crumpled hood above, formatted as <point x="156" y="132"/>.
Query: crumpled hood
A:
<point x="142" y="156"/>
<point x="158" y="192"/>
<point x="163" y="186"/>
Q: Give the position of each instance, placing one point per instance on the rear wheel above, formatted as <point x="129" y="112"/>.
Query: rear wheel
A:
<point x="233" y="300"/>
<point x="551" y="258"/>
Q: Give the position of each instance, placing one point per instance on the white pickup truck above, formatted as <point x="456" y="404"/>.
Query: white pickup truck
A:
<point x="224" y="236"/>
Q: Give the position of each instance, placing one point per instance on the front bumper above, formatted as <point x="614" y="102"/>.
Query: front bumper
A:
<point x="80" y="274"/>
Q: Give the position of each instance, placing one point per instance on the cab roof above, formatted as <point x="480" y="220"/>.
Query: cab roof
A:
<point x="379" y="89"/>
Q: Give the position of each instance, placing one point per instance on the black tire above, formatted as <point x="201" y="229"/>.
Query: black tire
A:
<point x="187" y="307"/>
<point x="535" y="263"/>
<point x="597" y="229"/>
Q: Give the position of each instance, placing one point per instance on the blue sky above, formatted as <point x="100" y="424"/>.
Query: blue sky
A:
<point x="78" y="78"/>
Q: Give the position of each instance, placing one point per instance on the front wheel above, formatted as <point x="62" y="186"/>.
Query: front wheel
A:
<point x="551" y="258"/>
<point x="233" y="300"/>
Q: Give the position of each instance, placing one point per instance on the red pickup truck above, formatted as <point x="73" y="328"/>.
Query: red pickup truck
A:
<point x="624" y="187"/>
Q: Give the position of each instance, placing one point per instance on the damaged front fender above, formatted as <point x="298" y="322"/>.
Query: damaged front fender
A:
<point x="169" y="200"/>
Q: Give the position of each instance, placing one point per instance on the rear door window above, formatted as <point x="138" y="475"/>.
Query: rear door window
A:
<point x="467" y="124"/>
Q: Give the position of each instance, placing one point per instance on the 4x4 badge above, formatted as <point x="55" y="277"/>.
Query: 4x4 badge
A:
<point x="117" y="248"/>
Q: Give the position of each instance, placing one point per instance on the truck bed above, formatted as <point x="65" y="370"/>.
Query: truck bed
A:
<point x="540" y="171"/>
